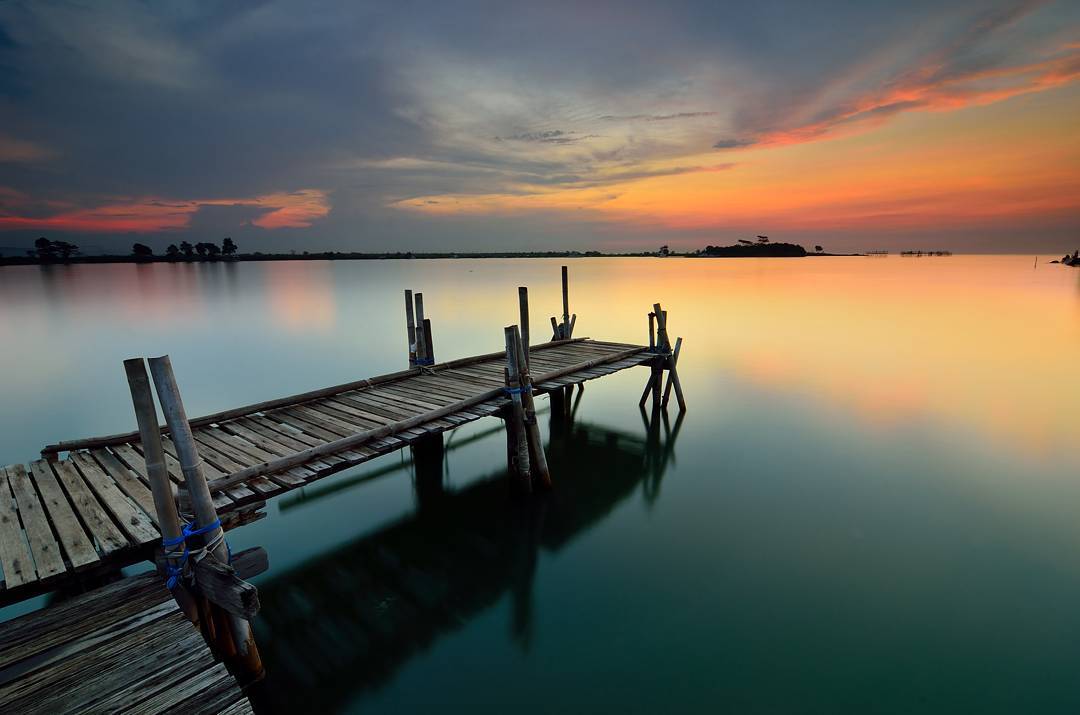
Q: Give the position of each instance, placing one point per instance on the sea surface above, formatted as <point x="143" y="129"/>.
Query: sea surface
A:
<point x="872" y="504"/>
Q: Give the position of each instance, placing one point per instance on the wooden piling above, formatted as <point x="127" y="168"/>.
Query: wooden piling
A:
<point x="158" y="475"/>
<point x="516" y="419"/>
<point x="556" y="333"/>
<point x="532" y="429"/>
<point x="565" y="303"/>
<point x="410" y="324"/>
<point x="672" y="362"/>
<point x="420" y="347"/>
<point x="523" y="321"/>
<point x="247" y="658"/>
<point x="429" y="345"/>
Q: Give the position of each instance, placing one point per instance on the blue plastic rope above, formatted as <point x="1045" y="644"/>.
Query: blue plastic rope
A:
<point x="425" y="361"/>
<point x="174" y="573"/>
<point x="527" y="390"/>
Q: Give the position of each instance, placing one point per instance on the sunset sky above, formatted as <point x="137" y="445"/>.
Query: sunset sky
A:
<point x="585" y="125"/>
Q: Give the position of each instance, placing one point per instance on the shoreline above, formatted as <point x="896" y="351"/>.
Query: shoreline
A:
<point x="337" y="256"/>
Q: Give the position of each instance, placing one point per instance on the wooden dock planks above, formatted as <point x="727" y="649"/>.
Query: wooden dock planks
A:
<point x="94" y="507"/>
<point x="122" y="647"/>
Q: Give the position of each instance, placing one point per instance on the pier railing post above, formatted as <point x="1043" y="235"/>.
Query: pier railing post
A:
<point x="421" y="352"/>
<point x="429" y="344"/>
<point x="565" y="304"/>
<point x="410" y="324"/>
<point x="523" y="321"/>
<point x="564" y="330"/>
<point x="206" y="518"/>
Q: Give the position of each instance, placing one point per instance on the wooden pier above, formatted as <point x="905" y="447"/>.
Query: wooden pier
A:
<point x="125" y="647"/>
<point x="168" y="492"/>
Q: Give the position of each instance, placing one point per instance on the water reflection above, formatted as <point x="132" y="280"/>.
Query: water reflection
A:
<point x="342" y="624"/>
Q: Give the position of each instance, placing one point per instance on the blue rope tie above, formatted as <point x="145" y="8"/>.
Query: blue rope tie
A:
<point x="425" y="361"/>
<point x="526" y="390"/>
<point x="173" y="574"/>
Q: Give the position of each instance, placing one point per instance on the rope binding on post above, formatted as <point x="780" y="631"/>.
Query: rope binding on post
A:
<point x="526" y="390"/>
<point x="173" y="574"/>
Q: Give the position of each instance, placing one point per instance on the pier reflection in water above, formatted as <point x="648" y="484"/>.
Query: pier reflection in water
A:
<point x="343" y="624"/>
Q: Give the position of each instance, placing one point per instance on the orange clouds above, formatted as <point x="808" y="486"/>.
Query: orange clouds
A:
<point x="297" y="209"/>
<point x="934" y="88"/>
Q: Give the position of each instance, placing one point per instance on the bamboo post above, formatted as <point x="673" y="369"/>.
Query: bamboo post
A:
<point x="652" y="331"/>
<point x="410" y="324"/>
<point x="652" y="372"/>
<point x="523" y="321"/>
<point x="565" y="303"/>
<point x="202" y="503"/>
<point x="157" y="473"/>
<point x="429" y="346"/>
<point x="517" y="410"/>
<point x="672" y="362"/>
<point x="532" y="430"/>
<point x="556" y="334"/>
<point x="662" y="343"/>
<point x="421" y="348"/>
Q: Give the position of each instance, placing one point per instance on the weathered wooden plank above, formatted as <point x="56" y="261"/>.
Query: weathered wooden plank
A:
<point x="29" y="635"/>
<point x="78" y="547"/>
<point x="15" y="555"/>
<point x="127" y="481"/>
<point x="132" y="520"/>
<point x="48" y="559"/>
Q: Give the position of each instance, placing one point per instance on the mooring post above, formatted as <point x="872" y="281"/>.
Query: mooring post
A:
<point x="523" y="321"/>
<point x="202" y="503"/>
<point x="429" y="344"/>
<point x="671" y="358"/>
<point x="410" y="324"/>
<point x="517" y="412"/>
<point x="556" y="334"/>
<point x="565" y="304"/>
<point x="652" y="332"/>
<point x="420" y="346"/>
<point x="673" y="361"/>
<point x="160" y="488"/>
<point x="532" y="429"/>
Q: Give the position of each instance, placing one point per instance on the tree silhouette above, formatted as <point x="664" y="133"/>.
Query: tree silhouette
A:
<point x="200" y="248"/>
<point x="45" y="249"/>
<point x="228" y="248"/>
<point x="172" y="251"/>
<point x="819" y="249"/>
<point x="187" y="248"/>
<point x="141" y="250"/>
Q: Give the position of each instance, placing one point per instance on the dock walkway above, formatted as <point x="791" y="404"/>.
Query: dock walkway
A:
<point x="125" y="647"/>
<point x="94" y="508"/>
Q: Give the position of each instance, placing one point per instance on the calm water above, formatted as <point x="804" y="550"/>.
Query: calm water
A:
<point x="870" y="506"/>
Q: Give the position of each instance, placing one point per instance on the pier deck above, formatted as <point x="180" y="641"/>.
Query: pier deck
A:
<point x="125" y="647"/>
<point x="94" y="508"/>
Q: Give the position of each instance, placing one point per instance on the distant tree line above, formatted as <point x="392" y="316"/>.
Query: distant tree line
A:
<point x="51" y="251"/>
<point x="186" y="252"/>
